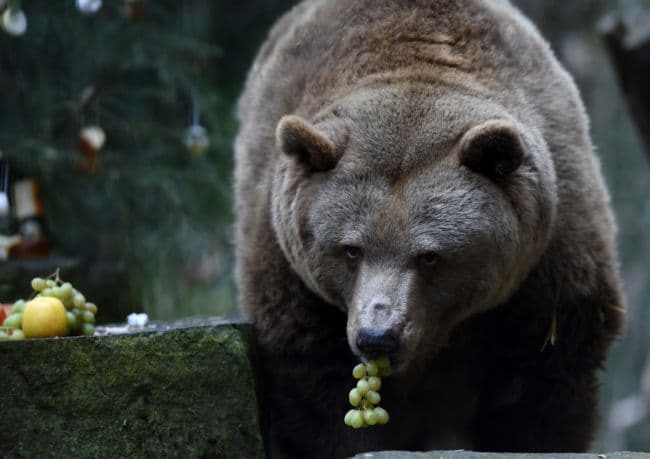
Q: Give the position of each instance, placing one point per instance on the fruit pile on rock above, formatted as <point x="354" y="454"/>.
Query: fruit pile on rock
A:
<point x="55" y="309"/>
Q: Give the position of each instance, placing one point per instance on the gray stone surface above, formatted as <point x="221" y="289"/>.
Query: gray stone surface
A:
<point x="182" y="391"/>
<point x="473" y="455"/>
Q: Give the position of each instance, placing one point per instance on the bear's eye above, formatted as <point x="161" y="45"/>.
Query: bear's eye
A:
<point x="428" y="259"/>
<point x="352" y="254"/>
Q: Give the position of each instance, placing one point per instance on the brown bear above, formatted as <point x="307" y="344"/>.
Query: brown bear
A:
<point x="415" y="178"/>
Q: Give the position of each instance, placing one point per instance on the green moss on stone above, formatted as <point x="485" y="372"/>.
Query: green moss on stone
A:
<point x="185" y="392"/>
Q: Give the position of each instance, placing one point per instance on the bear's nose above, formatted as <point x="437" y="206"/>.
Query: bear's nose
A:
<point x="374" y="342"/>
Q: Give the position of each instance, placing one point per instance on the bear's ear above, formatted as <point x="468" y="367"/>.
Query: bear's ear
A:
<point x="311" y="146"/>
<point x="493" y="148"/>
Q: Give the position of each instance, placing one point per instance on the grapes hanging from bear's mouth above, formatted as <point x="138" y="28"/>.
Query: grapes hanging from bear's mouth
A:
<point x="365" y="396"/>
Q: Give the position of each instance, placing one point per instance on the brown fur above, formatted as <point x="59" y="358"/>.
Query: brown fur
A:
<point x="413" y="127"/>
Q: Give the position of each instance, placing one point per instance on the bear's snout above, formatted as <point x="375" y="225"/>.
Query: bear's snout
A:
<point x="376" y="342"/>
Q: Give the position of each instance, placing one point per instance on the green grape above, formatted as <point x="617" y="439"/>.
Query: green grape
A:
<point x="49" y="291"/>
<point x="57" y="293"/>
<point x="348" y="418"/>
<point x="383" y="362"/>
<point x="3" y="335"/>
<point x="18" y="306"/>
<point x="88" y="317"/>
<point x="66" y="290"/>
<point x="374" y="383"/>
<point x="50" y="283"/>
<point x="38" y="284"/>
<point x="72" y="320"/>
<point x="67" y="302"/>
<point x="355" y="397"/>
<point x="383" y="372"/>
<point x="356" y="419"/>
<point x="370" y="417"/>
<point x="78" y="300"/>
<point x="88" y="329"/>
<point x="362" y="386"/>
<point x="371" y="368"/>
<point x="13" y="321"/>
<point x="373" y="397"/>
<point x="359" y="371"/>
<point x="91" y="307"/>
<point x="382" y="415"/>
<point x="17" y="335"/>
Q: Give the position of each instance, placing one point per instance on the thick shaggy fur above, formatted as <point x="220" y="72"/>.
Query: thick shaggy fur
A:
<point x="412" y="127"/>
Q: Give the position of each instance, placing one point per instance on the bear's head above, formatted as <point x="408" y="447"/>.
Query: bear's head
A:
<point x="411" y="208"/>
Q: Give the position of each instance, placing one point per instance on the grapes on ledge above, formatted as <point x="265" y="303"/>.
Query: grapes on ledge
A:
<point x="55" y="308"/>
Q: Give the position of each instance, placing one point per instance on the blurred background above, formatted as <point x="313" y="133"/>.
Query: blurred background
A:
<point x="116" y="129"/>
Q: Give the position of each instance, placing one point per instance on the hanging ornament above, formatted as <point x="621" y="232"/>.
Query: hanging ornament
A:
<point x="14" y="21"/>
<point x="4" y="194"/>
<point x="133" y="9"/>
<point x="90" y="142"/>
<point x="89" y="7"/>
<point x="196" y="138"/>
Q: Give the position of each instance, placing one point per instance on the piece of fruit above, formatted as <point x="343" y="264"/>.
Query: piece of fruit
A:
<point x="18" y="306"/>
<point x="374" y="383"/>
<point x="373" y="397"/>
<point x="17" y="335"/>
<point x="66" y="290"/>
<point x="88" y="317"/>
<point x="356" y="419"/>
<point x="359" y="371"/>
<point x="382" y="415"/>
<point x="44" y="317"/>
<point x="5" y="311"/>
<point x="38" y="284"/>
<point x="347" y="419"/>
<point x="88" y="329"/>
<point x="362" y="386"/>
<point x="72" y="321"/>
<point x="369" y="416"/>
<point x="355" y="397"/>
<point x="13" y="321"/>
<point x="371" y="368"/>
<point x="365" y="396"/>
<point x="78" y="300"/>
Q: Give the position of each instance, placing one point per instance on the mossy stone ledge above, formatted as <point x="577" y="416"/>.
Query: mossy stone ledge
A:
<point x="473" y="455"/>
<point x="181" y="390"/>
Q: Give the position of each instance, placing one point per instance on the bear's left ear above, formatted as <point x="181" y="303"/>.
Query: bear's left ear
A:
<point x="313" y="146"/>
<point x="493" y="148"/>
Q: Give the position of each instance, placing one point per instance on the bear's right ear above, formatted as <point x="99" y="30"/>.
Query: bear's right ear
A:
<point x="313" y="148"/>
<point x="493" y="148"/>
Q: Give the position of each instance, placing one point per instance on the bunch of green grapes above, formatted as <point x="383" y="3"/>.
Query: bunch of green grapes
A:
<point x="365" y="397"/>
<point x="80" y="314"/>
